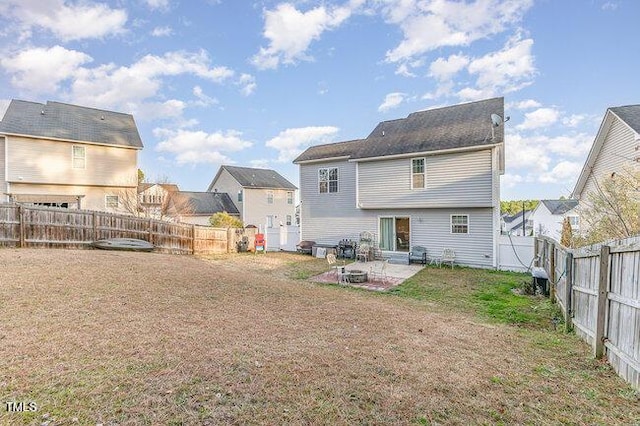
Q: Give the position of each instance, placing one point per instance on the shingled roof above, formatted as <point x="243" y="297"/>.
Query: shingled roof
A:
<point x="249" y="177"/>
<point x="630" y="114"/>
<point x="201" y="203"/>
<point x="459" y="126"/>
<point x="70" y="122"/>
<point x="559" y="207"/>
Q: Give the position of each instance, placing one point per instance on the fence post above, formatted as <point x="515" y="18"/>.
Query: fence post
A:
<point x="150" y="226"/>
<point x="193" y="239"/>
<point x="552" y="272"/>
<point x="535" y="251"/>
<point x="230" y="232"/>
<point x="603" y="291"/>
<point x="568" y="291"/>
<point x="95" y="225"/>
<point x="21" y="225"/>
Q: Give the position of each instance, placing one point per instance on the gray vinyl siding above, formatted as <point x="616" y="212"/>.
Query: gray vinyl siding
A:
<point x="3" y="178"/>
<point x="328" y="218"/>
<point x="616" y="154"/>
<point x="462" y="179"/>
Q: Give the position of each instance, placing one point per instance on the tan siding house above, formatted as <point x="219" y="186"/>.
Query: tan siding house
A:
<point x="263" y="197"/>
<point x="70" y="156"/>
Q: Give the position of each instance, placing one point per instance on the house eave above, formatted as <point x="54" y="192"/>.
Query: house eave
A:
<point x="426" y="153"/>
<point x="323" y="160"/>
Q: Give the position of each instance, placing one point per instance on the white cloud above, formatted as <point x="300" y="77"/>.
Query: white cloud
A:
<point x="260" y="164"/>
<point x="247" y="84"/>
<point x="162" y="31"/>
<point x="526" y="153"/>
<point x="157" y="4"/>
<point x="392" y="100"/>
<point x="203" y="99"/>
<point x="574" y="120"/>
<point x="41" y="70"/>
<point x="172" y="108"/>
<point x="509" y="180"/>
<point x="541" y="117"/>
<point x="290" y="32"/>
<point x="291" y="142"/>
<point x="66" y="20"/>
<point x="445" y="69"/>
<point x="506" y="70"/>
<point x="526" y="104"/>
<point x="566" y="172"/>
<point x="193" y="147"/>
<point x="427" y="26"/>
<point x="610" y="5"/>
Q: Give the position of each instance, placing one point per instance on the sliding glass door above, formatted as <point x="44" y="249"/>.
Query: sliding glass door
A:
<point x="394" y="233"/>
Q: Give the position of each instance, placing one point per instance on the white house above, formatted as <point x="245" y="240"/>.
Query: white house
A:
<point x="431" y="179"/>
<point x="548" y="216"/>
<point x="263" y="197"/>
<point x="153" y="197"/>
<point x="513" y="224"/>
<point x="63" y="155"/>
<point x="615" y="151"/>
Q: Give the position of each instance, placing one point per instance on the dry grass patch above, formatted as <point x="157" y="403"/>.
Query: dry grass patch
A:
<point x="137" y="338"/>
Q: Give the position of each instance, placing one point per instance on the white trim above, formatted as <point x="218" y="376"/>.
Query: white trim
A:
<point x="73" y="157"/>
<point x="424" y="172"/>
<point x="47" y="138"/>
<point x="357" y="186"/>
<point x="394" y="249"/>
<point x="425" y="153"/>
<point x="322" y="160"/>
<point x="107" y="206"/>
<point x="451" y="224"/>
<point x="329" y="180"/>
<point x="292" y="198"/>
<point x="270" y="196"/>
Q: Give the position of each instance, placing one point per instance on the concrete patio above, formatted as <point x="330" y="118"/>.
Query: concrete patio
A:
<point x="395" y="274"/>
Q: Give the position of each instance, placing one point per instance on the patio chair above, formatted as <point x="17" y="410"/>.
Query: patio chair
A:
<point x="418" y="254"/>
<point x="448" y="256"/>
<point x="363" y="252"/>
<point x="341" y="273"/>
<point x="379" y="273"/>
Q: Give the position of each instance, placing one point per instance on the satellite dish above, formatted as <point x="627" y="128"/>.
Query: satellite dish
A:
<point x="496" y="120"/>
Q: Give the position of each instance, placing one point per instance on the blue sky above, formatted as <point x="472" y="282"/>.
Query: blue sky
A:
<point x="253" y="83"/>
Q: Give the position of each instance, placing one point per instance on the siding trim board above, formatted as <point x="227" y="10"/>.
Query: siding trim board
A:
<point x="73" y="141"/>
<point x="416" y="154"/>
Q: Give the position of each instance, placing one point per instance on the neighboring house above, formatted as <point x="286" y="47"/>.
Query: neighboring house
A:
<point x="512" y="224"/>
<point x="152" y="198"/>
<point x="548" y="216"/>
<point x="615" y="151"/>
<point x="197" y="207"/>
<point x="263" y="197"/>
<point x="431" y="179"/>
<point x="70" y="156"/>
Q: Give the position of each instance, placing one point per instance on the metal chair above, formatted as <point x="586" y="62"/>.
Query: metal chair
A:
<point x="418" y="254"/>
<point x="380" y="273"/>
<point x="363" y="252"/>
<point x="448" y="256"/>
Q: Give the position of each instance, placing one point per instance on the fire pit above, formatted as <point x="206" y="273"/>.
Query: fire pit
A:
<point x="356" y="276"/>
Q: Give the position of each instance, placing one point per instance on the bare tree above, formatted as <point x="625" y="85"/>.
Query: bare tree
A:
<point x="612" y="210"/>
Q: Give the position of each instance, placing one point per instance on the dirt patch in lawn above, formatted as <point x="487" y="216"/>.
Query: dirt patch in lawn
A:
<point x="144" y="338"/>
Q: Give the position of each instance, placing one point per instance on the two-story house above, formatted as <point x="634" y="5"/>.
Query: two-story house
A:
<point x="431" y="179"/>
<point x="153" y="197"/>
<point x="263" y="197"/>
<point x="65" y="155"/>
<point x="518" y="224"/>
<point x="549" y="215"/>
<point x="615" y="152"/>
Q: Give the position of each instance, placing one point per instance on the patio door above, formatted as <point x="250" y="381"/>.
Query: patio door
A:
<point x="394" y="233"/>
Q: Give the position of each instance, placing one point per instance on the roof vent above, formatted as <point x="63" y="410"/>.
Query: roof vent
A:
<point x="102" y="117"/>
<point x="383" y="133"/>
<point x="42" y="112"/>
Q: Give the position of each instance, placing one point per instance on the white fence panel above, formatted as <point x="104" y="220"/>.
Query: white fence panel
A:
<point x="282" y="238"/>
<point x="515" y="253"/>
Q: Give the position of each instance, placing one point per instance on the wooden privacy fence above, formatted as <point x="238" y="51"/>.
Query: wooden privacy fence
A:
<point x="34" y="226"/>
<point x="598" y="290"/>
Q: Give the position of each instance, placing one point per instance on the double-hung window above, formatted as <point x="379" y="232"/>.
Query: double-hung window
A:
<point x="78" y="157"/>
<point x="459" y="223"/>
<point x="328" y="180"/>
<point x="269" y="197"/>
<point x="418" y="173"/>
<point x="111" y="201"/>
<point x="290" y="197"/>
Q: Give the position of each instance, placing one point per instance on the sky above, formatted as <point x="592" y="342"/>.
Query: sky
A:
<point x="254" y="83"/>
